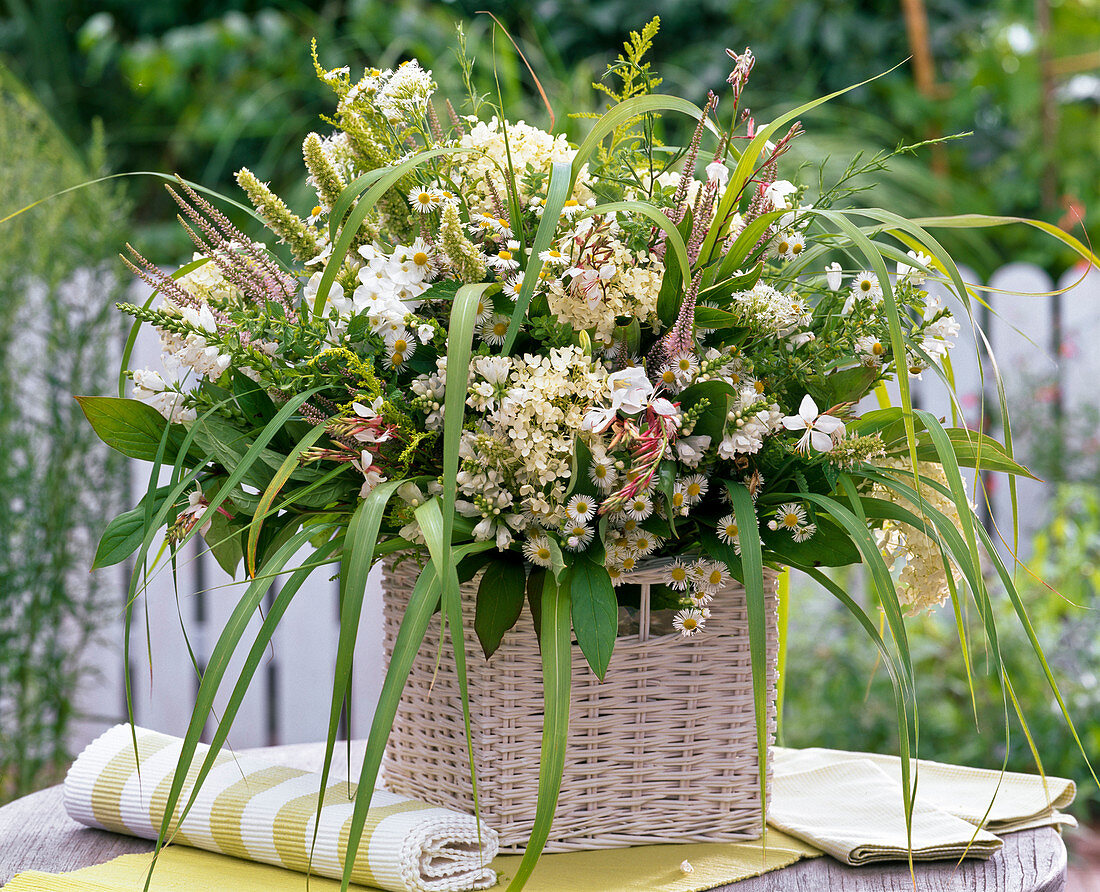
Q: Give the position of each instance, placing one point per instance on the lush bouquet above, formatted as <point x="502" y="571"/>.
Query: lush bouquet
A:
<point x="497" y="350"/>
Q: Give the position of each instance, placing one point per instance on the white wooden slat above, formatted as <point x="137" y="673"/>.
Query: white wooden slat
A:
<point x="1080" y="335"/>
<point x="369" y="666"/>
<point x="304" y="658"/>
<point x="1020" y="331"/>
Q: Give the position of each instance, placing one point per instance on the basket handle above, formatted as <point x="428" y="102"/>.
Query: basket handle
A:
<point x="643" y="613"/>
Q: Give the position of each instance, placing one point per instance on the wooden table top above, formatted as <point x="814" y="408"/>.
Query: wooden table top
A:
<point x="37" y="834"/>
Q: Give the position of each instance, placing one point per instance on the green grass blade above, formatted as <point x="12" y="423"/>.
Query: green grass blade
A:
<point x="752" y="563"/>
<point x="282" y="475"/>
<point x="430" y="518"/>
<point x="360" y="545"/>
<point x="255" y="656"/>
<point x="557" y="676"/>
<point x="619" y="115"/>
<point x="556" y="194"/>
<point x="216" y="667"/>
<point x="784" y="612"/>
<point x="422" y="605"/>
<point x="747" y="163"/>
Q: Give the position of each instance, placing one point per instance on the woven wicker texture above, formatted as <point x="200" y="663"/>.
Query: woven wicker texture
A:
<point x="663" y="750"/>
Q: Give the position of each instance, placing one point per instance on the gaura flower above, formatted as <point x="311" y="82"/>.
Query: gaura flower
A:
<point x="630" y="390"/>
<point x="820" y="430"/>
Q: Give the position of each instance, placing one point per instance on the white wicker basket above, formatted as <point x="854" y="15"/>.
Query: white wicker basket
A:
<point x="664" y="750"/>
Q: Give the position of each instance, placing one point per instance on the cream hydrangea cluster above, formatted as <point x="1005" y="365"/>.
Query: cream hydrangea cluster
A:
<point x="531" y="150"/>
<point x="604" y="280"/>
<point x="923" y="583"/>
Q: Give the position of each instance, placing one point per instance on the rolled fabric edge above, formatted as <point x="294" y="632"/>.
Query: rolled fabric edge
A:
<point x="409" y="847"/>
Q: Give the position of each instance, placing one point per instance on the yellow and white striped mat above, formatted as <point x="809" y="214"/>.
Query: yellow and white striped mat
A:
<point x="252" y="809"/>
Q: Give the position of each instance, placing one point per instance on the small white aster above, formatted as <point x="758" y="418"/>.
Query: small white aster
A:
<point x="581" y="508"/>
<point x="639" y="507"/>
<point x="688" y="622"/>
<point x="537" y="551"/>
<point x="679" y="576"/>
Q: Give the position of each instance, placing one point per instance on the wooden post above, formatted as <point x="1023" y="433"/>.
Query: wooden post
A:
<point x="924" y="71"/>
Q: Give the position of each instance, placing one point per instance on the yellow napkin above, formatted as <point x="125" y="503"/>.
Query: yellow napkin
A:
<point x="639" y="869"/>
<point x="850" y="805"/>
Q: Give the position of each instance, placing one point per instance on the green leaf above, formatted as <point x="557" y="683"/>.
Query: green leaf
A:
<point x="713" y="418"/>
<point x="557" y="676"/>
<point x="830" y="546"/>
<point x="282" y="475"/>
<point x="124" y="534"/>
<point x="846" y="386"/>
<point x="595" y="612"/>
<point x="499" y="600"/>
<point x="131" y="427"/>
<point x="224" y="541"/>
<point x="227" y="643"/>
<point x="973" y="449"/>
<point x="715" y="319"/>
<point x="414" y="623"/>
<point x="535" y="583"/>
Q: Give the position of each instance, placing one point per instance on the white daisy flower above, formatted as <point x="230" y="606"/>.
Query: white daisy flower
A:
<point x="679" y="499"/>
<point x="571" y="208"/>
<point x="728" y="530"/>
<point x="494" y="329"/>
<point x="537" y="551"/>
<point x="790" y="516"/>
<point x="577" y="536"/>
<point x="865" y="287"/>
<point x="710" y="576"/>
<point x="871" y="349"/>
<point x="486" y="224"/>
<point x="602" y="473"/>
<point x="514" y="285"/>
<point x="484" y="311"/>
<point x="679" y="576"/>
<point x="684" y="366"/>
<point x="581" y="508"/>
<point x="419" y="254"/>
<point x="616" y="574"/>
<point x="695" y="487"/>
<point x="701" y="599"/>
<point x="639" y="507"/>
<point x="688" y="622"/>
<point x="503" y="261"/>
<point x="425" y="200"/>
<point x="804" y="532"/>
<point x="552" y="256"/>
<point x="644" y="543"/>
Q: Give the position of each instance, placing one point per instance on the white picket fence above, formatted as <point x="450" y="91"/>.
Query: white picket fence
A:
<point x="288" y="700"/>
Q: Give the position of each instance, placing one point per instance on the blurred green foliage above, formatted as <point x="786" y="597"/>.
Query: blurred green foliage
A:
<point x="201" y="87"/>
<point x="59" y="335"/>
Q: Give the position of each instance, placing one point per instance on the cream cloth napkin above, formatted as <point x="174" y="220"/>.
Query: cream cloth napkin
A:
<point x="850" y="805"/>
<point x="250" y="808"/>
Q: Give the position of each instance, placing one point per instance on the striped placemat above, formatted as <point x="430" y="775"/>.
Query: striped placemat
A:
<point x="252" y="809"/>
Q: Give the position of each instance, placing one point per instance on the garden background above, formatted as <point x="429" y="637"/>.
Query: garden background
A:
<point x="202" y="88"/>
